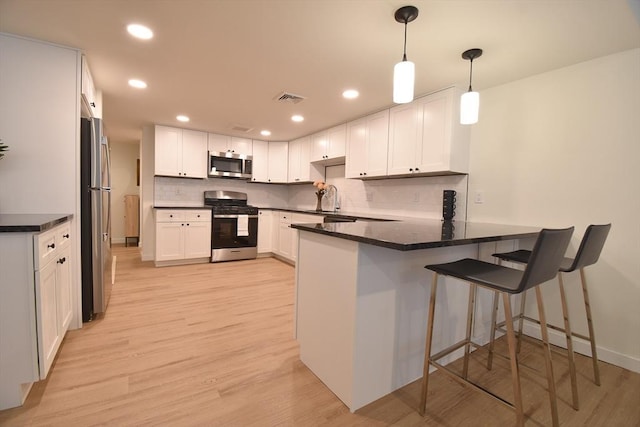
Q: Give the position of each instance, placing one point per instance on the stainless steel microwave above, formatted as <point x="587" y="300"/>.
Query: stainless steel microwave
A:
<point x="230" y="165"/>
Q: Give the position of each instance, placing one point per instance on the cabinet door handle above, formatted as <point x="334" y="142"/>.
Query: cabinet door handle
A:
<point x="410" y="169"/>
<point x="66" y="236"/>
<point x="417" y="170"/>
<point x="364" y="173"/>
<point x="93" y="104"/>
<point x="51" y="246"/>
<point x="62" y="260"/>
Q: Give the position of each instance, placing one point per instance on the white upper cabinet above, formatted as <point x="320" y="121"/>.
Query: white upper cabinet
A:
<point x="329" y="146"/>
<point x="270" y="161"/>
<point x="300" y="167"/>
<point x="91" y="105"/>
<point x="278" y="161"/>
<point x="229" y="144"/>
<point x="367" y="143"/>
<point x="425" y="136"/>
<point x="260" y="161"/>
<point x="180" y="152"/>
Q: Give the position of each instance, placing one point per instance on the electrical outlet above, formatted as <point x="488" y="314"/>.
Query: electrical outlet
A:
<point x="479" y="197"/>
<point x="178" y="191"/>
<point x="368" y="196"/>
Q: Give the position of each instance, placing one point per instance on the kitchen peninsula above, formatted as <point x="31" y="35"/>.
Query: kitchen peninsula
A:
<point x="362" y="297"/>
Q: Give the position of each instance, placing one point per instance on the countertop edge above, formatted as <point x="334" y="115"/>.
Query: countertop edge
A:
<point x="39" y="227"/>
<point x="413" y="246"/>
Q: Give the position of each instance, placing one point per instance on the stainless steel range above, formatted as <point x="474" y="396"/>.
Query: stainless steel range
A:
<point x="234" y="226"/>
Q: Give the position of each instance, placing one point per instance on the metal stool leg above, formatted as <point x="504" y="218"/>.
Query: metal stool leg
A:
<point x="592" y="338"/>
<point x="470" y="310"/>
<point x="492" y="336"/>
<point x="523" y="300"/>
<point x="515" y="374"/>
<point x="547" y="357"/>
<point x="427" y="349"/>
<point x="570" y="355"/>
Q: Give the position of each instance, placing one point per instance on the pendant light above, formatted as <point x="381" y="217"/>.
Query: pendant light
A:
<point x="404" y="71"/>
<point x="470" y="101"/>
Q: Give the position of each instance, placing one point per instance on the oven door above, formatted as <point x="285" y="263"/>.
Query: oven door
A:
<point x="229" y="231"/>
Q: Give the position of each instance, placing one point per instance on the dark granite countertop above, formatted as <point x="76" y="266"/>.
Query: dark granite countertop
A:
<point x="21" y="223"/>
<point x="413" y="234"/>
<point x="182" y="207"/>
<point x="361" y="216"/>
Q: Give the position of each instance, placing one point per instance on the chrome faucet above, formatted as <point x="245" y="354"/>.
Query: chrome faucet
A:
<point x="336" y="201"/>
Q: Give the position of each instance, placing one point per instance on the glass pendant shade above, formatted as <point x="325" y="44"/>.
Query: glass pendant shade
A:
<point x="469" y="107"/>
<point x="403" y="80"/>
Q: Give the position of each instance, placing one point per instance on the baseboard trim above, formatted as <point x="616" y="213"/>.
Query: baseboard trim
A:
<point x="583" y="347"/>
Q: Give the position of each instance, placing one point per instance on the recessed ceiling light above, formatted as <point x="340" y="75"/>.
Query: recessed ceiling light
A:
<point x="182" y="118"/>
<point x="350" y="94"/>
<point x="265" y="132"/>
<point x="297" y="118"/>
<point x="139" y="84"/>
<point x="139" y="31"/>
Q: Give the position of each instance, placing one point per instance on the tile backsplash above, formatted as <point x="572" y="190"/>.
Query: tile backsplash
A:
<point x="415" y="197"/>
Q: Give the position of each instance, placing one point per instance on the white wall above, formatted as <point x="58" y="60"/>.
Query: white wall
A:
<point x="563" y="148"/>
<point x="40" y="122"/>
<point x="123" y="181"/>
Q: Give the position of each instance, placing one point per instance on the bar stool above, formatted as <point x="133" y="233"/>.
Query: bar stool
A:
<point x="588" y="254"/>
<point x="543" y="265"/>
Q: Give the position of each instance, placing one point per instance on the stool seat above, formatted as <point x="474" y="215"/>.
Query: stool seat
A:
<point x="482" y="273"/>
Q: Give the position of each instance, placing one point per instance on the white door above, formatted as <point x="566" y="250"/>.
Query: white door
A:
<point x="403" y="137"/>
<point x="169" y="241"/>
<point x="168" y="151"/>
<point x="194" y="154"/>
<point x="260" y="161"/>
<point x="356" y="157"/>
<point x="377" y="143"/>
<point x="197" y="239"/>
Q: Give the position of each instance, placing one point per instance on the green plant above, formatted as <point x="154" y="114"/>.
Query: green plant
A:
<point x="3" y="148"/>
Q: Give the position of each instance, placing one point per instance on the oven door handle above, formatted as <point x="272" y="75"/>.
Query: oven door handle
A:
<point x="234" y="216"/>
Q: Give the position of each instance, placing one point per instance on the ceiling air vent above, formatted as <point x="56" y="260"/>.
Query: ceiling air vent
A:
<point x="288" y="97"/>
<point x="240" y="128"/>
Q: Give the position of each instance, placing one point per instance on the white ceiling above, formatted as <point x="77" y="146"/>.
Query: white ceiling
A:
<point x="221" y="62"/>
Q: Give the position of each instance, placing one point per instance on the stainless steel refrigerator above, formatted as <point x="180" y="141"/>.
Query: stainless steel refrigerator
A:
<point x="97" y="272"/>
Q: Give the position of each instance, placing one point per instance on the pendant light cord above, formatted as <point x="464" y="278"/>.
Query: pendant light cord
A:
<point x="404" y="53"/>
<point x="470" y="74"/>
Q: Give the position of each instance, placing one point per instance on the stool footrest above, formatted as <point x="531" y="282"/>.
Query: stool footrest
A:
<point x="473" y="386"/>
<point x="451" y="349"/>
<point x="500" y="326"/>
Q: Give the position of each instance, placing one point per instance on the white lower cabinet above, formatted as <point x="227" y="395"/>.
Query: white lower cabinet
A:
<point x="182" y="236"/>
<point x="52" y="292"/>
<point x="286" y="244"/>
<point x="285" y="236"/>
<point x="265" y="231"/>
<point x="35" y="307"/>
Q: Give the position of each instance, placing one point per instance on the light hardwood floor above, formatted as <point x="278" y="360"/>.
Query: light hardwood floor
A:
<point x="212" y="345"/>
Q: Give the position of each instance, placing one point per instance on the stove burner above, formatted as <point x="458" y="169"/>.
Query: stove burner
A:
<point x="229" y="202"/>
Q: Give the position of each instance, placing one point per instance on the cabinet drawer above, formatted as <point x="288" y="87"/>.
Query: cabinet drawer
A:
<point x="45" y="247"/>
<point x="198" y="216"/>
<point x="170" y="216"/>
<point x="63" y="235"/>
<point x="285" y="217"/>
